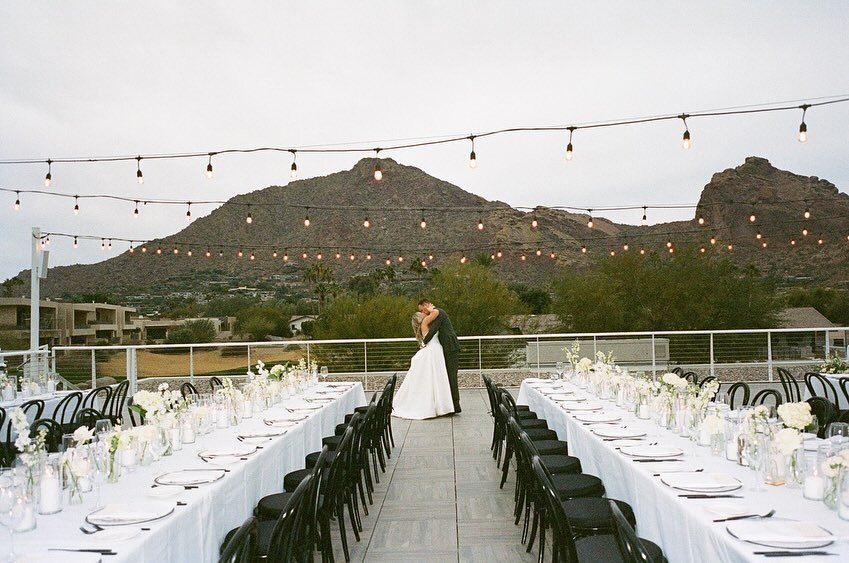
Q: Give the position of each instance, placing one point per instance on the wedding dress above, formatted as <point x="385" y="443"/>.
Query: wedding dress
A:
<point x="425" y="392"/>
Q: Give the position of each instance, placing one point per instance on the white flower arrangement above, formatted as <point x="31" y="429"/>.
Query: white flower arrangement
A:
<point x="584" y="365"/>
<point x="832" y="465"/>
<point x="571" y="352"/>
<point x="795" y="415"/>
<point x="5" y="381"/>
<point x="787" y="440"/>
<point x="713" y="424"/>
<point x="673" y="383"/>
<point x="83" y="435"/>
<point x="27" y="447"/>
<point x="148" y="403"/>
<point x="834" y="364"/>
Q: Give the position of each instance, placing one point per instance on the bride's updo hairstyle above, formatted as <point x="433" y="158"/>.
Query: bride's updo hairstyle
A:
<point x="417" y="326"/>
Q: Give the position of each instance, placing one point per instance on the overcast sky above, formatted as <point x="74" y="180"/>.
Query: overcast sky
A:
<point x="102" y="78"/>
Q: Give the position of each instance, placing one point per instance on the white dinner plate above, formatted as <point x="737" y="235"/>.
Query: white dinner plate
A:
<point x="287" y="418"/>
<point x="581" y="406"/>
<point x="129" y="513"/>
<point x="780" y="533"/>
<point x="190" y="477"/>
<point x="653" y="452"/>
<point x="110" y="536"/>
<point x="597" y="417"/>
<point x="564" y="396"/>
<point x="616" y="432"/>
<point x="240" y="450"/>
<point x="165" y="491"/>
<point x="701" y="482"/>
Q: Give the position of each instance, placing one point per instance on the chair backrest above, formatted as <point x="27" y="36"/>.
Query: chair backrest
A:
<point x="490" y="393"/>
<point x="65" y="410"/>
<point x="825" y="411"/>
<point x="630" y="546"/>
<point x="764" y="396"/>
<point x="242" y="545"/>
<point x="508" y="401"/>
<point x="820" y="386"/>
<point x="677" y="370"/>
<point x="706" y="380"/>
<point x="54" y="432"/>
<point x="3" y="462"/>
<point x="187" y="389"/>
<point x="215" y="383"/>
<point x="33" y="409"/>
<point x="734" y="390"/>
<point x="691" y="377"/>
<point x="282" y="546"/>
<point x="843" y="382"/>
<point x="119" y="398"/>
<point x="87" y="417"/>
<point x="132" y="412"/>
<point x="563" y="536"/>
<point x="98" y="398"/>
<point x="792" y="392"/>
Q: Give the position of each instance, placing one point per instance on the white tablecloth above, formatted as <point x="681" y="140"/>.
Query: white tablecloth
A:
<point x="682" y="527"/>
<point x="194" y="532"/>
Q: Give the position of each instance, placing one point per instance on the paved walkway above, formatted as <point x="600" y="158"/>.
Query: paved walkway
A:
<point x="439" y="499"/>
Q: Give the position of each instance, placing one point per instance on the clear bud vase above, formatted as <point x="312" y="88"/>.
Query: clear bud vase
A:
<point x="843" y="494"/>
<point x="774" y="464"/>
<point x="796" y="466"/>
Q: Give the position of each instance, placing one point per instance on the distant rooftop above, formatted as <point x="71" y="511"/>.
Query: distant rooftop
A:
<point x="802" y="317"/>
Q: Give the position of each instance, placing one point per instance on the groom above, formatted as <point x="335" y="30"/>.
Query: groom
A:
<point x="450" y="346"/>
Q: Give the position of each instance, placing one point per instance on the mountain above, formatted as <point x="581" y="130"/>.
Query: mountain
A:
<point x="338" y="204"/>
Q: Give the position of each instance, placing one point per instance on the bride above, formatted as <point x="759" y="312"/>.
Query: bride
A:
<point x="425" y="392"/>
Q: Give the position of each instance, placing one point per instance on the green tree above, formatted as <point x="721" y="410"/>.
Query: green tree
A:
<point x="260" y="321"/>
<point x="320" y="277"/>
<point x="476" y="300"/>
<point x="228" y="306"/>
<point x="537" y="300"/>
<point x="379" y="316"/>
<point x="9" y="286"/>
<point x="363" y="285"/>
<point x="201" y="330"/>
<point x="686" y="291"/>
<point x="833" y="303"/>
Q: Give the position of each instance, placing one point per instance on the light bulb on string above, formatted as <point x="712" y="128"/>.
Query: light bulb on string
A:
<point x="400" y="259"/>
<point x="473" y="158"/>
<point x="807" y="213"/>
<point x="76" y="205"/>
<point x="17" y="201"/>
<point x="523" y="257"/>
<point x="668" y="244"/>
<point x="702" y="249"/>
<point x="366" y="223"/>
<point x="76" y="244"/>
<point x="304" y="256"/>
<point x="803" y="128"/>
<point x="613" y="253"/>
<point x="583" y="250"/>
<point x="249" y="218"/>
<point x="423" y="264"/>
<point x="307" y="218"/>
<point x="188" y="212"/>
<point x="792" y="242"/>
<point x="388" y="262"/>
<point x="221" y="253"/>
<point x="136" y="211"/>
<point x="463" y="259"/>
<point x="590" y="220"/>
<point x="240" y="253"/>
<point x="368" y="256"/>
<point x="752" y="216"/>
<point x="805" y="232"/>
<point x="820" y="241"/>
<point x="713" y="240"/>
<point x="552" y="255"/>
<point x="352" y="257"/>
<point x="338" y="255"/>
<point x="498" y="254"/>
<point x="700" y="219"/>
<point x="274" y="254"/>
<point x="286" y="256"/>
<point x="430" y="257"/>
<point x="109" y="244"/>
<point x="685" y="139"/>
<point x="293" y="170"/>
<point x="642" y="252"/>
<point x="763" y="244"/>
<point x="625" y="247"/>
<point x="378" y="171"/>
<point x="209" y="167"/>
<point x="730" y="248"/>
<point x="319" y="256"/>
<point x="176" y="250"/>
<point x="139" y="175"/>
<point x="102" y="244"/>
<point x="645" y="221"/>
<point x="539" y="252"/>
<point x="131" y="250"/>
<point x="534" y="222"/>
<point x="48" y="178"/>
<point x="144" y="249"/>
<point x="189" y="252"/>
<point x="253" y="256"/>
<point x="671" y="250"/>
<point x="207" y="253"/>
<point x="480" y="223"/>
<point x="759" y="236"/>
<point x="423" y="223"/>
<point x="569" y="145"/>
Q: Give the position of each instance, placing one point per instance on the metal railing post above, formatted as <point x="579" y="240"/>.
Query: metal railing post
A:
<point x="133" y="374"/>
<point x="653" y="357"/>
<point x="595" y="346"/>
<point x="769" y="354"/>
<point x="53" y="361"/>
<point x="480" y="357"/>
<point x="192" y="364"/>
<point x="93" y="370"/>
<point x="712" y="359"/>
<point x="365" y="365"/>
<point x="827" y="345"/>
<point x="249" y="356"/>
<point x="539" y="371"/>
<point x="308" y="355"/>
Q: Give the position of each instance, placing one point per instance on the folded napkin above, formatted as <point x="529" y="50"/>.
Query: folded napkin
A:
<point x="728" y="509"/>
<point x="615" y="432"/>
<point x="701" y="481"/>
<point x="778" y="531"/>
<point x="189" y="477"/>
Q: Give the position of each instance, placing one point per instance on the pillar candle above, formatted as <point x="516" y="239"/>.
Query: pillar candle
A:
<point x="814" y="487"/>
<point x="50" y="493"/>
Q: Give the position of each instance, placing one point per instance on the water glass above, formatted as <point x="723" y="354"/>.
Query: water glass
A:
<point x="103" y="426"/>
<point x="837" y="432"/>
<point x="324" y="374"/>
<point x="721" y="398"/>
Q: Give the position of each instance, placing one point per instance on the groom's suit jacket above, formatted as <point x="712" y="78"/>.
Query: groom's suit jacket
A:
<point x="447" y="337"/>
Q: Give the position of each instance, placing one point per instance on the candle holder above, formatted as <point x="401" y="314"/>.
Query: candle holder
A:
<point x="50" y="486"/>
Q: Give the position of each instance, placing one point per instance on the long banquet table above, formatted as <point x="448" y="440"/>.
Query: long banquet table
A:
<point x="195" y="531"/>
<point x="682" y="527"/>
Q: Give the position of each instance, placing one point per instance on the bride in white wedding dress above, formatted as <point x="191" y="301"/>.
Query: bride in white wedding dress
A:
<point x="425" y="392"/>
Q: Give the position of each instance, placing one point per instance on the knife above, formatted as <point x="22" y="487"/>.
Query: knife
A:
<point x="792" y="553"/>
<point x="92" y="550"/>
<point x="654" y="460"/>
<point x="709" y="496"/>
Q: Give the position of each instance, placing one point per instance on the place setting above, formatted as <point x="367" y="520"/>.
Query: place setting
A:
<point x="610" y="433"/>
<point x="646" y="453"/>
<point x="259" y="436"/>
<point x="580" y="405"/>
<point x="792" y="538"/>
<point x="190" y="478"/>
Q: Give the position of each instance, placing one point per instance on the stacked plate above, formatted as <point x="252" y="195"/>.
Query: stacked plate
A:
<point x="126" y="514"/>
<point x="597" y="417"/>
<point x="581" y="406"/>
<point x="786" y="534"/>
<point x="701" y="482"/>
<point x="227" y="454"/>
<point x="285" y="420"/>
<point x="189" y="477"/>
<point x="617" y="433"/>
<point x="252" y="437"/>
<point x="564" y="396"/>
<point x="651" y="452"/>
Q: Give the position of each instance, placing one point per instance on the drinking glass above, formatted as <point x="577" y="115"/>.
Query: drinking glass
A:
<point x="837" y="432"/>
<point x="754" y="455"/>
<point x="99" y="458"/>
<point x="67" y="442"/>
<point x="721" y="398"/>
<point x="103" y="426"/>
<point x="7" y="500"/>
<point x="558" y="368"/>
<point x="324" y="374"/>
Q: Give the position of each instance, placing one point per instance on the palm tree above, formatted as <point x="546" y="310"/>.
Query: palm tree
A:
<point x="320" y="277"/>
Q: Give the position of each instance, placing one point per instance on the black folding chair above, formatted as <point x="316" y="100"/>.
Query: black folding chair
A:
<point x="53" y="436"/>
<point x="241" y="547"/>
<point x="215" y="383"/>
<point x="88" y="417"/>
<point x="187" y="389"/>
<point x="116" y="405"/>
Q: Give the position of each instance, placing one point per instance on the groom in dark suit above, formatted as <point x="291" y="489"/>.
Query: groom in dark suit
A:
<point x="450" y="347"/>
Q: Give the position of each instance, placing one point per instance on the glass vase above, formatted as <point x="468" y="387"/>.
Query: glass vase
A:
<point x="843" y="494"/>
<point x="795" y="471"/>
<point x="830" y="496"/>
<point x="774" y="464"/>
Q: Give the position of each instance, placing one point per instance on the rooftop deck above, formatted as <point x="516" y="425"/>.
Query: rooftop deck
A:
<point x="439" y="499"/>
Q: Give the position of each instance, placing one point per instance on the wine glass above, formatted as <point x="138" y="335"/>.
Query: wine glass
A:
<point x="837" y="432"/>
<point x="324" y="374"/>
<point x="558" y="369"/>
<point x="99" y="457"/>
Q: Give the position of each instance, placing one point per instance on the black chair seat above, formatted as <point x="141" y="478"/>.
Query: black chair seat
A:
<point x="331" y="442"/>
<point x="524" y="415"/>
<point x="573" y="486"/>
<point x="293" y="479"/>
<point x="340" y="429"/>
<point x="312" y="458"/>
<point x="523" y="408"/>
<point x="531" y="423"/>
<point x="551" y="447"/>
<point x="539" y="434"/>
<point x="593" y="513"/>
<point x="270" y="507"/>
<point x="604" y="548"/>
<point x="263" y="536"/>
<point x="557" y="464"/>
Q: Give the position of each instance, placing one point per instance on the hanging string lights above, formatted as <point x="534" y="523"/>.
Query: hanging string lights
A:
<point x="571" y="129"/>
<point x="48" y="178"/>
<point x="378" y="171"/>
<point x="293" y="170"/>
<point x="685" y="139"/>
<point x="139" y="175"/>
<point x="590" y="220"/>
<point x="644" y="221"/>
<point x="803" y="128"/>
<point x="188" y="212"/>
<point x="76" y="205"/>
<point x="209" y="167"/>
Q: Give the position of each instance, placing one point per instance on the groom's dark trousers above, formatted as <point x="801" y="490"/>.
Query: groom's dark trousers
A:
<point x="450" y="350"/>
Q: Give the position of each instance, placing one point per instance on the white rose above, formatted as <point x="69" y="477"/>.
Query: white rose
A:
<point x="713" y="424"/>
<point x="83" y="434"/>
<point x="787" y="440"/>
<point x="671" y="378"/>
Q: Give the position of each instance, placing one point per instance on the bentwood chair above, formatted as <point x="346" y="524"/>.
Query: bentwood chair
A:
<point x="215" y="383"/>
<point x="53" y="432"/>
<point x="631" y="548"/>
<point x="764" y="395"/>
<point x="33" y="409"/>
<point x="691" y="377"/>
<point x="98" y="398"/>
<point x="734" y="390"/>
<point x="792" y="392"/>
<point x="844" y="387"/>
<point x="187" y="389"/>
<point x="87" y="417"/>
<point x="820" y="386"/>
<point x="65" y="410"/>
<point x="119" y="399"/>
<point x="241" y="546"/>
<point x="825" y="411"/>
